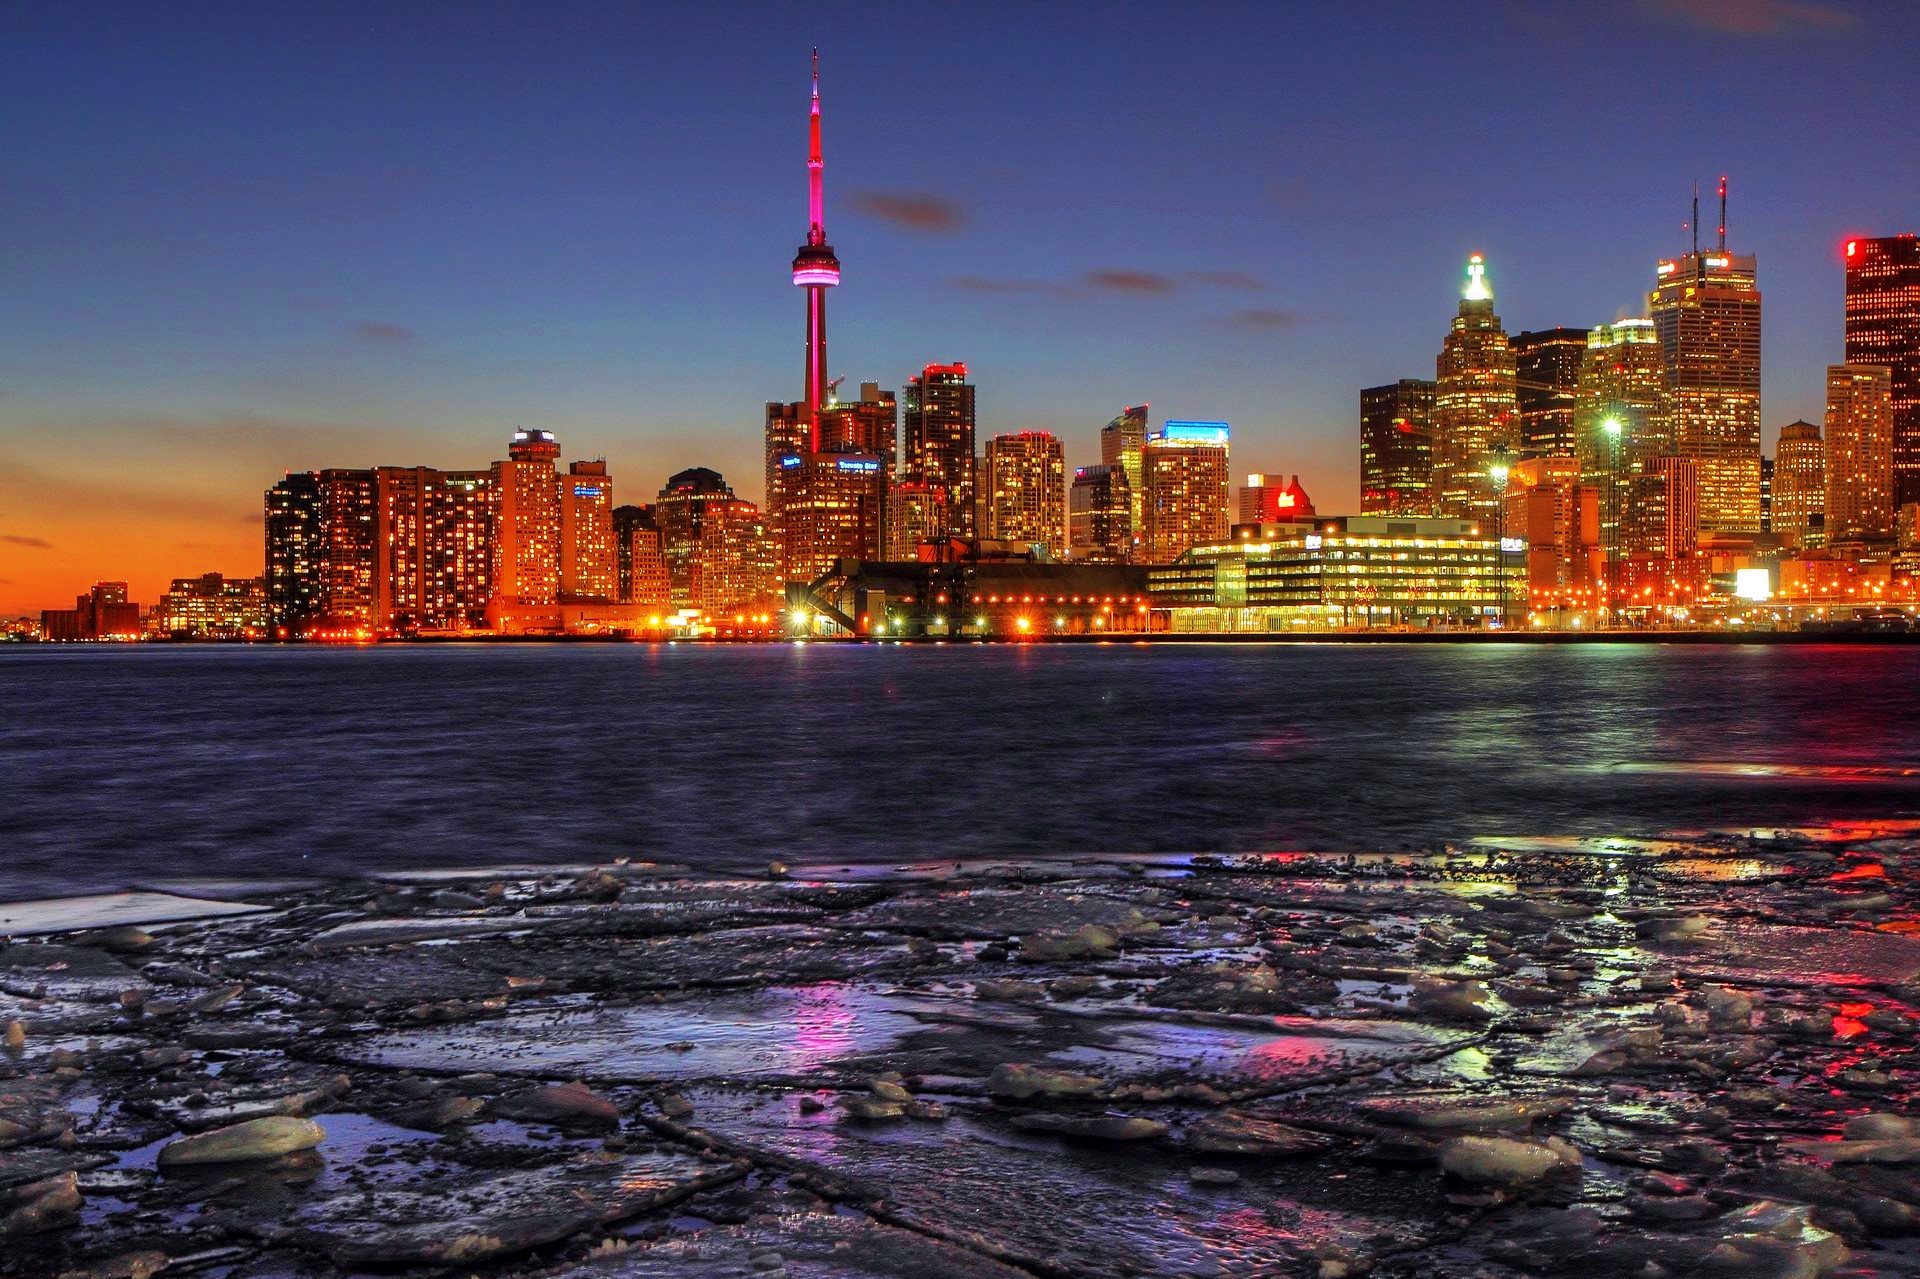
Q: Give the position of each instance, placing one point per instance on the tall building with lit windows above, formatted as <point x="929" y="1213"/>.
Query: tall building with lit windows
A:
<point x="734" y="567"/>
<point x="680" y="510"/>
<point x="1800" y="486"/>
<point x="1546" y="366"/>
<point x="344" y="598"/>
<point x="1024" y="478"/>
<point x="294" y="549"/>
<point x="1883" y="327"/>
<point x="1662" y="520"/>
<point x="433" y="541"/>
<point x="1859" y="452"/>
<point x="1622" y="417"/>
<point x="1706" y="310"/>
<point x="526" y="521"/>
<point x="1184" y="469"/>
<point x="1100" y="515"/>
<point x="1396" y="449"/>
<point x="937" y="421"/>
<point x="1123" y="443"/>
<point x="1476" y="413"/>
<point x="589" y="556"/>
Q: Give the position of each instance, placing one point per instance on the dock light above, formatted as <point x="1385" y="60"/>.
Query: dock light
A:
<point x="1023" y="623"/>
<point x="799" y="617"/>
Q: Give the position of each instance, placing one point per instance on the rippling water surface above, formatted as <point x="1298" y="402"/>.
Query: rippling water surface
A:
<point x="121" y="766"/>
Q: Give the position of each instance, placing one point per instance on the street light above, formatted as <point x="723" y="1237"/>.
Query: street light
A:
<point x="1612" y="427"/>
<point x="1498" y="473"/>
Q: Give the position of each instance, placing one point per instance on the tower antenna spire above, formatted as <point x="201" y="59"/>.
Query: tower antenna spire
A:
<point x="1723" y="213"/>
<point x="815" y="268"/>
<point x="1699" y="267"/>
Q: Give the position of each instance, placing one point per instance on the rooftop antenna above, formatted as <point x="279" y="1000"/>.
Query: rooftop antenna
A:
<point x="1723" y="213"/>
<point x="1699" y="267"/>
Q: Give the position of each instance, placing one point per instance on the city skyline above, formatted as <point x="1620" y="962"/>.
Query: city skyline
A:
<point x="175" y="428"/>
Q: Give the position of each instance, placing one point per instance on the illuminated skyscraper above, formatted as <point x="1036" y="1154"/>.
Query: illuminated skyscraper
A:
<point x="1706" y="309"/>
<point x="589" y="556"/>
<point x="294" y="550"/>
<point x="1396" y="449"/>
<point x="1623" y="416"/>
<point x="1100" y="515"/>
<point x="1883" y="327"/>
<point x="1476" y="413"/>
<point x="937" y="419"/>
<point x="433" y="538"/>
<point x="734" y="568"/>
<point x="681" y="512"/>
<point x="1662" y="511"/>
<point x="344" y="598"/>
<point x="1546" y="375"/>
<point x="1025" y="480"/>
<point x="1800" y="485"/>
<point x="1859" y="452"/>
<point x="526" y="521"/>
<point x="1123" y="443"/>
<point x="1185" y="470"/>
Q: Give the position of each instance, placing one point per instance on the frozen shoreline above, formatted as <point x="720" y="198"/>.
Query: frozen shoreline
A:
<point x="1562" y="1057"/>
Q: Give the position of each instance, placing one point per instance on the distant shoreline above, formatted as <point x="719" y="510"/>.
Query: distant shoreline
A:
<point x="1520" y="637"/>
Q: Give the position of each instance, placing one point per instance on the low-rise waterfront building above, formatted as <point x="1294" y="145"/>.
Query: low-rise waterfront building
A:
<point x="211" y="606"/>
<point x="1357" y="570"/>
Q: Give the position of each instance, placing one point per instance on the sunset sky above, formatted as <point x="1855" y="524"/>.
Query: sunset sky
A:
<point x="242" y="239"/>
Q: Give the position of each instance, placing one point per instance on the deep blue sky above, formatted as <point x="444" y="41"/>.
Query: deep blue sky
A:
<point x="236" y="239"/>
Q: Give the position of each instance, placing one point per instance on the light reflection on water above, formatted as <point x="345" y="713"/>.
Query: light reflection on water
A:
<point x="261" y="761"/>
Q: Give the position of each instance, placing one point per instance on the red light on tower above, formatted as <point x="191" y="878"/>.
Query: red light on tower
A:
<point x="1853" y="247"/>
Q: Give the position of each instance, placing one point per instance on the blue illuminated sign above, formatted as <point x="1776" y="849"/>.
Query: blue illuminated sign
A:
<point x="854" y="464"/>
<point x="789" y="461"/>
<point x="585" y="490"/>
<point x="1192" y="432"/>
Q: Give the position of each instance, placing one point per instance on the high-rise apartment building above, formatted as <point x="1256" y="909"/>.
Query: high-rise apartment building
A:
<point x="1100" y="514"/>
<point x="832" y="507"/>
<point x="344" y="598"/>
<point x="1396" y="449"/>
<point x="937" y="421"/>
<point x="868" y="425"/>
<point x="1546" y="365"/>
<point x="1025" y="490"/>
<point x="1476" y="411"/>
<point x="1557" y="518"/>
<point x="589" y="553"/>
<point x="1123" y="443"/>
<point x="526" y="520"/>
<point x="1883" y="327"/>
<point x="1800" y="486"/>
<point x="432" y="547"/>
<point x="1185" y="472"/>
<point x="1706" y="310"/>
<point x="734" y="568"/>
<point x="293" y="551"/>
<point x="1859" y="452"/>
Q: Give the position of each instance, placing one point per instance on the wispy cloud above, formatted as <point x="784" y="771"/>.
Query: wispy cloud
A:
<point x="1245" y="281"/>
<point x="32" y="543"/>
<point x="914" y="210"/>
<point x="1264" y="320"/>
<point x="1126" y="280"/>
<point x="379" y="331"/>
<point x="1754" y="17"/>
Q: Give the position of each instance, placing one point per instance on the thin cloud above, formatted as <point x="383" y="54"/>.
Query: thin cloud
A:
<point x="914" y="210"/>
<point x="1264" y="320"/>
<point x="1243" y="280"/>
<point x="378" y="331"/>
<point x="1753" y="17"/>
<point x="1123" y="280"/>
<point x="32" y="543"/>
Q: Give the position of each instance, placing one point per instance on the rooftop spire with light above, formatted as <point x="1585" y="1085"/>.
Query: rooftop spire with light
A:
<point x="1477" y="290"/>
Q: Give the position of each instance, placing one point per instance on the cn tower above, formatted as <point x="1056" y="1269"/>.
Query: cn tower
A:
<point x="816" y="270"/>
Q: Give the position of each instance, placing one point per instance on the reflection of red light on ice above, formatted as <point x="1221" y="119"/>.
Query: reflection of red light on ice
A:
<point x="1846" y="1020"/>
<point x="1868" y="870"/>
